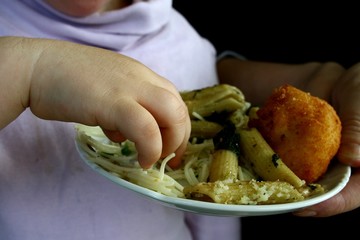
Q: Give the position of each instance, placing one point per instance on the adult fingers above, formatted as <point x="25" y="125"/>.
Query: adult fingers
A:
<point x="346" y="100"/>
<point x="344" y="201"/>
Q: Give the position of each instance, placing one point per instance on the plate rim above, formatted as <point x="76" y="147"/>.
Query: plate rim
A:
<point x="219" y="209"/>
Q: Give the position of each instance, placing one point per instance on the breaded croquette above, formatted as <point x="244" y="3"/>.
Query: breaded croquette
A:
<point x="302" y="129"/>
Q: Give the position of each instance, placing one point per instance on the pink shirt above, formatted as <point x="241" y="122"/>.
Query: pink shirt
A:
<point x="46" y="191"/>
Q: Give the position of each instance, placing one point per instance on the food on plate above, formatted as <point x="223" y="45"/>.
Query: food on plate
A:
<point x="224" y="164"/>
<point x="216" y="99"/>
<point x="302" y="129"/>
<point x="250" y="192"/>
<point x="265" y="162"/>
<point x="226" y="160"/>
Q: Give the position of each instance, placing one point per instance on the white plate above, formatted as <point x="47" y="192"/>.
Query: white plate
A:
<point x="334" y="181"/>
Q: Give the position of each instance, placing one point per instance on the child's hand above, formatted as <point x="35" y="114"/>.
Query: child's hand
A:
<point x="70" y="82"/>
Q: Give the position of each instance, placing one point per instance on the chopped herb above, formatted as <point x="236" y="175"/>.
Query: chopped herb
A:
<point x="218" y="117"/>
<point x="126" y="150"/>
<point x="228" y="139"/>
<point x="274" y="159"/>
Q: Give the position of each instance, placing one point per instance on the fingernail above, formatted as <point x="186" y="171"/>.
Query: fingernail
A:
<point x="305" y="213"/>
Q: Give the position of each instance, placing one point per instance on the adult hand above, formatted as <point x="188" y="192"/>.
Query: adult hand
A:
<point x="346" y="100"/>
<point x="329" y="81"/>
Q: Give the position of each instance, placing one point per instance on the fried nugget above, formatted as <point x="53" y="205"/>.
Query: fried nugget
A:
<point x="302" y="129"/>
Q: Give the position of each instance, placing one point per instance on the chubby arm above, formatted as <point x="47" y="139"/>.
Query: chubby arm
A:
<point x="70" y="82"/>
<point x="330" y="81"/>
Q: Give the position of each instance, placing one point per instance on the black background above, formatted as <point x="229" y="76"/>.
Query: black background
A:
<point x="290" y="33"/>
